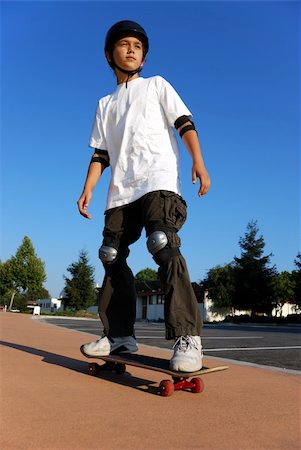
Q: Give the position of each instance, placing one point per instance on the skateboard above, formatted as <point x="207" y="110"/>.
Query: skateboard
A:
<point x="180" y="380"/>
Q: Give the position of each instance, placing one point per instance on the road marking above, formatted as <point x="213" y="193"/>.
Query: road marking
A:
<point x="206" y="337"/>
<point x="250" y="348"/>
<point x="149" y="337"/>
<point x="232" y="337"/>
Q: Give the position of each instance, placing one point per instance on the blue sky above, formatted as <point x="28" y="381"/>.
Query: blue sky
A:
<point x="236" y="66"/>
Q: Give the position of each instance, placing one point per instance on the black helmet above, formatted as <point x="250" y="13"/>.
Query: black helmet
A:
<point x="122" y="28"/>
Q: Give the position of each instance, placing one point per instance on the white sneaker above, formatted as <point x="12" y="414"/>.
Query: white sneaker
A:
<point x="187" y="355"/>
<point x="104" y="346"/>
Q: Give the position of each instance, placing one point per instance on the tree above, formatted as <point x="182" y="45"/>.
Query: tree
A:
<point x="24" y="272"/>
<point x="220" y="285"/>
<point x="296" y="279"/>
<point x="80" y="288"/>
<point x="5" y="278"/>
<point x="8" y="286"/>
<point x="284" y="289"/>
<point x="254" y="279"/>
<point x="147" y="275"/>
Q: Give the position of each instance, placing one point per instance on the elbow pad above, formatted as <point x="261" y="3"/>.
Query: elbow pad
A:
<point x="102" y="157"/>
<point x="183" y="120"/>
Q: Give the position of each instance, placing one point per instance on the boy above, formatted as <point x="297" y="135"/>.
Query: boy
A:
<point x="133" y="134"/>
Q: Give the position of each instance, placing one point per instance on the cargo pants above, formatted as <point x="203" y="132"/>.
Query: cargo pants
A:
<point x="155" y="211"/>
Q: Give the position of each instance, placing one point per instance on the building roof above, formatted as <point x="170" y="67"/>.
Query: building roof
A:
<point x="147" y="287"/>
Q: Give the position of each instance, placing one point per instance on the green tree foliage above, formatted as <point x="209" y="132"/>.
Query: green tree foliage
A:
<point x="8" y="285"/>
<point x="296" y="279"/>
<point x="220" y="285"/>
<point x="284" y="289"/>
<point x="5" y="277"/>
<point x="254" y="279"/>
<point x="80" y="287"/>
<point x="147" y="275"/>
<point x="23" y="273"/>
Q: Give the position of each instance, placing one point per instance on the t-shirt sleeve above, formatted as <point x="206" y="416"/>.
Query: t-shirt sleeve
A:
<point x="97" y="139"/>
<point x="171" y="102"/>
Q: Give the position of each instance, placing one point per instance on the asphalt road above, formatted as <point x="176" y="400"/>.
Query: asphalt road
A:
<point x="276" y="346"/>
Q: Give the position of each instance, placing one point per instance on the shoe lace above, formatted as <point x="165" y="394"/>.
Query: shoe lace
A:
<point x="184" y="343"/>
<point x="99" y="339"/>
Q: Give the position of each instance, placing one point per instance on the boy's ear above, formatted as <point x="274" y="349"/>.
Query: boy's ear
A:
<point x="108" y="56"/>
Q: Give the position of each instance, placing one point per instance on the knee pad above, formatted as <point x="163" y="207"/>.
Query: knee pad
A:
<point x="107" y="254"/>
<point x="165" y="255"/>
<point x="156" y="241"/>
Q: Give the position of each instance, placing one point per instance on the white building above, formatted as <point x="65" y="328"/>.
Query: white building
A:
<point x="285" y="310"/>
<point x="150" y="300"/>
<point x="49" y="304"/>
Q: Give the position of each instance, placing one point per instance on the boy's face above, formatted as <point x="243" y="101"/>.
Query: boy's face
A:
<point x="128" y="53"/>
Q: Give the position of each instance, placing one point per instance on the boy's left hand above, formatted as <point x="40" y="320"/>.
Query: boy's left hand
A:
<point x="199" y="171"/>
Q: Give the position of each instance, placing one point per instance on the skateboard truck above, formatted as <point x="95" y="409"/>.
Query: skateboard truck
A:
<point x="167" y="387"/>
<point x="118" y="368"/>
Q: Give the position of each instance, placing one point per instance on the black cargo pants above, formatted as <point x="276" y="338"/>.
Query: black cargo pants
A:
<point x="155" y="211"/>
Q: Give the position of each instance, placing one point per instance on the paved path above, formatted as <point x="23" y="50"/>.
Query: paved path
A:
<point x="48" y="401"/>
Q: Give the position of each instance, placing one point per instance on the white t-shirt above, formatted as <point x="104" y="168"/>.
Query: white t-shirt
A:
<point x="135" y="126"/>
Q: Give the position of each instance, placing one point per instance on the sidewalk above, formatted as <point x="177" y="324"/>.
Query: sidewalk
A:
<point x="49" y="402"/>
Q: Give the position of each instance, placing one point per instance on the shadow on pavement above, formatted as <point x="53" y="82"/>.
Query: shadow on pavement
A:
<point x="82" y="367"/>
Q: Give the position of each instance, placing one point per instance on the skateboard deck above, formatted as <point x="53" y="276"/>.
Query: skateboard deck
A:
<point x="118" y="362"/>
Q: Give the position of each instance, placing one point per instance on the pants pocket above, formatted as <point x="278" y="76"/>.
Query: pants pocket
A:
<point x="175" y="209"/>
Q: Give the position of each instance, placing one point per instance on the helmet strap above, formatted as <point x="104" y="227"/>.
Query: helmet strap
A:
<point x="129" y="73"/>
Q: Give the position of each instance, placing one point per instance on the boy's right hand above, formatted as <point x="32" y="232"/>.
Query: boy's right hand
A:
<point x="83" y="203"/>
